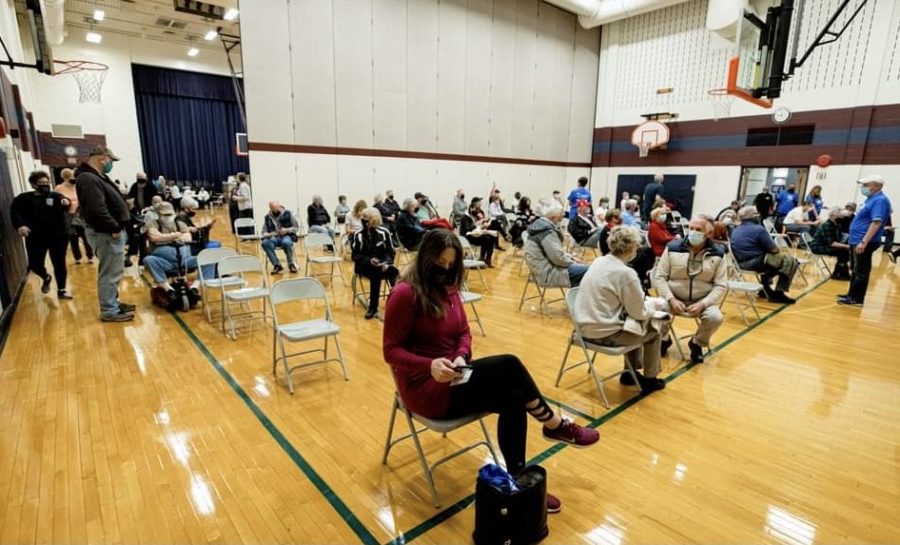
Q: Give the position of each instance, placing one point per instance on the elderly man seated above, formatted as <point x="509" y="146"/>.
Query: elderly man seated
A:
<point x="170" y="246"/>
<point x="544" y="253"/>
<point x="279" y="231"/>
<point x="691" y="277"/>
<point x="754" y="250"/>
<point x="582" y="227"/>
<point x="409" y="229"/>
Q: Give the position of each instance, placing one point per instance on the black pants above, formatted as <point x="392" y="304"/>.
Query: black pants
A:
<point x="38" y="247"/>
<point x="486" y="243"/>
<point x="861" y="265"/>
<point x="642" y="264"/>
<point x="500" y="385"/>
<point x="76" y="235"/>
<point x="375" y="276"/>
<point x="499" y="225"/>
<point x="248" y="213"/>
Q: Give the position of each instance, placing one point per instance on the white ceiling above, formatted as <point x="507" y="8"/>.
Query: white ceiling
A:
<point x="142" y="19"/>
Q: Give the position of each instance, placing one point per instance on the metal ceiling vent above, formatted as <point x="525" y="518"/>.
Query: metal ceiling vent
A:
<point x="202" y="9"/>
<point x="170" y="23"/>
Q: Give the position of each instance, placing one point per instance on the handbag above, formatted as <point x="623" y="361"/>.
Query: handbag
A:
<point x="506" y="515"/>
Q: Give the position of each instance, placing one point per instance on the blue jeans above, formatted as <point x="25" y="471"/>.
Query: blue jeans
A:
<point x="165" y="259"/>
<point x="576" y="273"/>
<point x="322" y="229"/>
<point x="111" y="256"/>
<point x="286" y="243"/>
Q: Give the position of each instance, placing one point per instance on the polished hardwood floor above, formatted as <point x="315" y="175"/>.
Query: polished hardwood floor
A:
<point x="163" y="430"/>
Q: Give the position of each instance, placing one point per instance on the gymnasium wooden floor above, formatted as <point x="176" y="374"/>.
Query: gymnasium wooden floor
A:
<point x="164" y="431"/>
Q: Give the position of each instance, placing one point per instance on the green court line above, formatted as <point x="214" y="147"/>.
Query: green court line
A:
<point x="462" y="504"/>
<point x="363" y="533"/>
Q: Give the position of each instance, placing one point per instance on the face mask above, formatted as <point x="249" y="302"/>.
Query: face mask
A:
<point x="865" y="191"/>
<point x="661" y="219"/>
<point x="107" y="167"/>
<point x="442" y="277"/>
<point x="727" y="221"/>
<point x="462" y="197"/>
<point x="43" y="188"/>
<point x="191" y="213"/>
<point x="695" y="238"/>
<point x="365" y="223"/>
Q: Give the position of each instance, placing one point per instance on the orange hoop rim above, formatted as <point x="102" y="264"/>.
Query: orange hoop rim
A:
<point x="78" y="66"/>
<point x="720" y="92"/>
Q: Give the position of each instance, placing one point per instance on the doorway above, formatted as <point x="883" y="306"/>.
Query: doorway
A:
<point x="777" y="179"/>
<point x="678" y="189"/>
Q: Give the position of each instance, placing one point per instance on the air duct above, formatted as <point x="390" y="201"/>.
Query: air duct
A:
<point x="54" y="20"/>
<point x="593" y="13"/>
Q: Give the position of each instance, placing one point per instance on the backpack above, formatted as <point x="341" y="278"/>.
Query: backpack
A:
<point x="510" y="517"/>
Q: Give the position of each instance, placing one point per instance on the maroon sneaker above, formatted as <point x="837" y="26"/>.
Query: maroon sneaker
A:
<point x="553" y="504"/>
<point x="573" y="434"/>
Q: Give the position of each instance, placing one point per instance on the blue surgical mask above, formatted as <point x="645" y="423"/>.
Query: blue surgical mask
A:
<point x="107" y="167"/>
<point x="695" y="238"/>
<point x="865" y="191"/>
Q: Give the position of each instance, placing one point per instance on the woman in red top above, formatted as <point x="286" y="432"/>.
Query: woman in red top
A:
<point x="426" y="338"/>
<point x="658" y="233"/>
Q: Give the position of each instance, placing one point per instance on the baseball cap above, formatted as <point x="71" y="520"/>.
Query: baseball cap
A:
<point x="103" y="150"/>
<point x="874" y="178"/>
<point x="581" y="202"/>
<point x="419" y="195"/>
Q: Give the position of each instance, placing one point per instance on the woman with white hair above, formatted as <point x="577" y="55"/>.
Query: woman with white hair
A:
<point x="612" y="296"/>
<point x="828" y="240"/>
<point x="544" y="252"/>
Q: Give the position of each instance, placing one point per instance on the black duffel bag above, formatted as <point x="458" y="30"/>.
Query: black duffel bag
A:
<point x="512" y="517"/>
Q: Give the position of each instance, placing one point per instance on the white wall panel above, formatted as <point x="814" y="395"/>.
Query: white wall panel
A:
<point x="316" y="175"/>
<point x="544" y="84"/>
<point x="352" y="23"/>
<point x="267" y="82"/>
<point x="503" y="72"/>
<point x="422" y="44"/>
<point x="389" y="73"/>
<point x="561" y="103"/>
<point x="312" y="73"/>
<point x="583" y="103"/>
<point x="388" y="173"/>
<point x="523" y="97"/>
<point x="478" y="76"/>
<point x="451" y="107"/>
<point x="273" y="178"/>
<point x="355" y="179"/>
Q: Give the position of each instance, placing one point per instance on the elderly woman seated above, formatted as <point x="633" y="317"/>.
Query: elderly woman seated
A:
<point x="544" y="253"/>
<point x="611" y="297"/>
<point x="373" y="256"/>
<point x="830" y="241"/>
<point x="658" y="232"/>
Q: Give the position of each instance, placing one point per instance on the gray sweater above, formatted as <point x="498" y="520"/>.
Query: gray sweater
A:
<point x="610" y="290"/>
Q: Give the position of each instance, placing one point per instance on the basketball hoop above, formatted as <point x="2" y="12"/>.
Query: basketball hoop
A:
<point x="721" y="100"/>
<point x="650" y="135"/>
<point x="88" y="75"/>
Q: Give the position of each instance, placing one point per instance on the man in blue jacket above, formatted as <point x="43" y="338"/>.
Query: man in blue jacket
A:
<point x="578" y="194"/>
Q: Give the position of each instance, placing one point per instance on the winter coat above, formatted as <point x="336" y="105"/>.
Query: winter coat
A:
<point x="677" y="275"/>
<point x="545" y="256"/>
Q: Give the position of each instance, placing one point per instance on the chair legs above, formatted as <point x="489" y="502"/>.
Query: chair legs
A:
<point x="477" y="319"/>
<point x="589" y="361"/>
<point x="278" y="342"/>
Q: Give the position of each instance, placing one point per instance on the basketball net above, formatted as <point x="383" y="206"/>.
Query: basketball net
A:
<point x="88" y="75"/>
<point x="644" y="149"/>
<point x="721" y="102"/>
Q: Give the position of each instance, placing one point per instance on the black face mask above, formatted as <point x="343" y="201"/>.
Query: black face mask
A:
<point x="462" y="197"/>
<point x="42" y="188"/>
<point x="442" y="277"/>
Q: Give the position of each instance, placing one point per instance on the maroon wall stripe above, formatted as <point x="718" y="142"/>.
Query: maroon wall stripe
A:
<point x="367" y="152"/>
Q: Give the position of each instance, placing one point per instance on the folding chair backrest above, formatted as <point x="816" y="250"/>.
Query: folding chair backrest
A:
<point x="239" y="264"/>
<point x="781" y="242"/>
<point x="524" y="238"/>
<point x="297" y="289"/>
<point x="212" y="256"/>
<point x="806" y="241"/>
<point x="571" y="297"/>
<point x="468" y="253"/>
<point x="317" y="240"/>
<point x="243" y="223"/>
<point x="769" y="225"/>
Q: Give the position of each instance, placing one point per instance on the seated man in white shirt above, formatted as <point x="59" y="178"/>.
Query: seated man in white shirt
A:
<point x="203" y="197"/>
<point x="797" y="220"/>
<point x="691" y="276"/>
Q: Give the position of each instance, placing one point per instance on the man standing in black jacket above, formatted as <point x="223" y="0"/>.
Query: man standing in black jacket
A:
<point x="106" y="214"/>
<point x="40" y="217"/>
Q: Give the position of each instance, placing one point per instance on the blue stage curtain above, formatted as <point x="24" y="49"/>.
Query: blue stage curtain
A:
<point x="187" y="122"/>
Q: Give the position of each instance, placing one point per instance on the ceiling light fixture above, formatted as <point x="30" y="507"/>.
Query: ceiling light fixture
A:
<point x="193" y="52"/>
<point x="93" y="37"/>
<point x="211" y="35"/>
<point x="230" y="14"/>
<point x="99" y="15"/>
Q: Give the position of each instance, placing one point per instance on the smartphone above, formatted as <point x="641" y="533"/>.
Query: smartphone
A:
<point x="461" y="368"/>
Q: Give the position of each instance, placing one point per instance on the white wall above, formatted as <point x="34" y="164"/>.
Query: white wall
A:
<point x="497" y="78"/>
<point x="56" y="97"/>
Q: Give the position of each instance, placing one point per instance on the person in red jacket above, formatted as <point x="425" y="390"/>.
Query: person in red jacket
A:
<point x="428" y="345"/>
<point x="658" y="232"/>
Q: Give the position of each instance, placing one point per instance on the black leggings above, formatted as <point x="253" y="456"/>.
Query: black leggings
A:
<point x="78" y="234"/>
<point x="38" y="247"/>
<point x="375" y="276"/>
<point x="500" y="385"/>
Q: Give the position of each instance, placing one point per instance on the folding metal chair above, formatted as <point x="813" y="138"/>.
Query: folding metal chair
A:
<point x="317" y="242"/>
<point x="470" y="298"/>
<point x="576" y="339"/>
<point x="302" y="289"/>
<point x="441" y="426"/>
<point x="821" y="264"/>
<point x="254" y="237"/>
<point x="542" y="292"/>
<point x="737" y="284"/>
<point x="212" y="257"/>
<point x="242" y="294"/>
<point x="469" y="260"/>
<point x="784" y="245"/>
